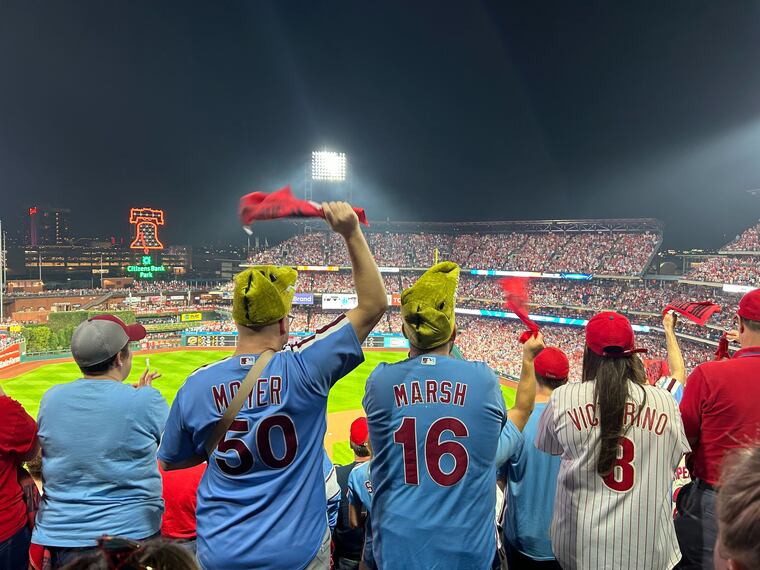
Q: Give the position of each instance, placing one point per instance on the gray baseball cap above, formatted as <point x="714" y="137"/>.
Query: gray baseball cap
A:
<point x="101" y="337"/>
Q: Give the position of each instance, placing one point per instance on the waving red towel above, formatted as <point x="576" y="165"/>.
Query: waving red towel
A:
<point x="516" y="299"/>
<point x="282" y="204"/>
<point x="697" y="312"/>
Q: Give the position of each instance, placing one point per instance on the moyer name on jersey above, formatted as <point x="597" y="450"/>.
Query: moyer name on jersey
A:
<point x="584" y="417"/>
<point x="266" y="392"/>
<point x="433" y="392"/>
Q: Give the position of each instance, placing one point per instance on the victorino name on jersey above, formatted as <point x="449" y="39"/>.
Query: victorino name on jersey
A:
<point x="584" y="417"/>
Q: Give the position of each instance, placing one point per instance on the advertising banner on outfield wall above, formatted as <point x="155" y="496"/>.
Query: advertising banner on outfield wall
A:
<point x="340" y="301"/>
<point x="303" y="299"/>
<point x="10" y="355"/>
<point x="394" y="300"/>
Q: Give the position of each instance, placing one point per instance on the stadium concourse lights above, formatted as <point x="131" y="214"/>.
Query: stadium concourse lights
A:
<point x="329" y="166"/>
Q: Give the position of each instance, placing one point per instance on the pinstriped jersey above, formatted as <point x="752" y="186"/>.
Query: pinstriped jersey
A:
<point x="623" y="520"/>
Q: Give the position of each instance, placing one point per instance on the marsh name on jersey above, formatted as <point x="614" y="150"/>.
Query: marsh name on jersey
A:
<point x="430" y="392"/>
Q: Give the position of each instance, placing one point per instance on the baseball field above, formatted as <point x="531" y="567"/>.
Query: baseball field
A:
<point x="343" y="406"/>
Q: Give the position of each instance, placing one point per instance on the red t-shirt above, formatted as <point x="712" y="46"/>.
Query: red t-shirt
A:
<point x="721" y="411"/>
<point x="18" y="436"/>
<point x="180" y="490"/>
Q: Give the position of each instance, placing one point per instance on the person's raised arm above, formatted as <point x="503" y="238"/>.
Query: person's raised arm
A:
<point x="526" y="389"/>
<point x="370" y="291"/>
<point x="675" y="358"/>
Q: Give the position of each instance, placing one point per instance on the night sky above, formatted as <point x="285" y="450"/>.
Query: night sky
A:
<point x="461" y="110"/>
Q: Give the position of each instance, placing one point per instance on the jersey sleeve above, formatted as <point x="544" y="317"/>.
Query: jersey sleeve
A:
<point x="328" y="355"/>
<point x="694" y="395"/>
<point x="546" y="437"/>
<point x="510" y="440"/>
<point x="22" y="435"/>
<point x="352" y="493"/>
<point x="176" y="441"/>
<point x="332" y="492"/>
<point x="673" y="386"/>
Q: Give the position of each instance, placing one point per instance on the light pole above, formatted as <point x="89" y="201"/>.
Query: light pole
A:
<point x="327" y="166"/>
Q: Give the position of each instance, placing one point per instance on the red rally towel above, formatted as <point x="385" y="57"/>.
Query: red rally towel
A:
<point x="516" y="299"/>
<point x="722" y="351"/>
<point x="697" y="312"/>
<point x="282" y="204"/>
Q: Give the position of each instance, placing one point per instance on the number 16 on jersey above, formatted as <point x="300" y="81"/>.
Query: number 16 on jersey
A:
<point x="434" y="450"/>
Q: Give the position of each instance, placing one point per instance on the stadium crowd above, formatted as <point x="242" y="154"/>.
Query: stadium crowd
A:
<point x="582" y="252"/>
<point x="727" y="269"/>
<point x="749" y="240"/>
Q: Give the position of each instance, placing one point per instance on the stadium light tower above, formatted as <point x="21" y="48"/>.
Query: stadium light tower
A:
<point x="327" y="167"/>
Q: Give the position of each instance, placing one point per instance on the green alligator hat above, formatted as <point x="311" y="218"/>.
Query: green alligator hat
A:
<point x="427" y="307"/>
<point x="263" y="295"/>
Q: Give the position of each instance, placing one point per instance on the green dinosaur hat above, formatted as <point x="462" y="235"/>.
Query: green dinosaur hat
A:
<point x="427" y="307"/>
<point x="263" y="295"/>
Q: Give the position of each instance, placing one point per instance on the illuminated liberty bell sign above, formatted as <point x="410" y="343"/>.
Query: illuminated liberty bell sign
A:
<point x="146" y="221"/>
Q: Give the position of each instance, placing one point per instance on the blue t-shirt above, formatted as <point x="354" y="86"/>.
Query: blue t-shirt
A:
<point x="435" y="424"/>
<point x="360" y="495"/>
<point x="531" y="477"/>
<point x="99" y="441"/>
<point x="261" y="502"/>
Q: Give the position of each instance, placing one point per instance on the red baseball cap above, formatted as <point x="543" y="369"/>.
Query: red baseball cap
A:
<point x="749" y="306"/>
<point x="610" y="330"/>
<point x="552" y="363"/>
<point x="359" y="431"/>
<point x="134" y="332"/>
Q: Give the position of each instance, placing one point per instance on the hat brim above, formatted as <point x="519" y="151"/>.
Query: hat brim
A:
<point x="136" y="332"/>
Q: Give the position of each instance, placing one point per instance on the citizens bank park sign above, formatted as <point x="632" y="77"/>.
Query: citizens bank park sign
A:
<point x="10" y="355"/>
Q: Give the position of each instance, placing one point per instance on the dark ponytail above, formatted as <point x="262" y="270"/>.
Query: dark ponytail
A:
<point x="610" y="396"/>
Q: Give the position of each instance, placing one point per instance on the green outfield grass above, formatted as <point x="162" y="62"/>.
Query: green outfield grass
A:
<point x="176" y="366"/>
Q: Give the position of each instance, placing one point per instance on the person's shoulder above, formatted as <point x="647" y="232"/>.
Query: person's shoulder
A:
<point x="571" y="392"/>
<point x="212" y="367"/>
<point x="474" y="367"/>
<point x="384" y="369"/>
<point x="59" y="391"/>
<point x="145" y="395"/>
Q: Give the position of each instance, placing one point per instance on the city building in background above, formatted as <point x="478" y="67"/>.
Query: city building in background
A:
<point x="48" y="226"/>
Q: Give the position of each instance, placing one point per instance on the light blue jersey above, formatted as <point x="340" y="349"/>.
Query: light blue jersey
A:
<point x="261" y="503"/>
<point x="99" y="440"/>
<point x="360" y="495"/>
<point x="360" y="487"/>
<point x="531" y="477"/>
<point x="435" y="424"/>
<point x="673" y="386"/>
<point x="332" y="491"/>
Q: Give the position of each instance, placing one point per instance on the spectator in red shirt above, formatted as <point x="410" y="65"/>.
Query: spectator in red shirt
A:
<point x="18" y="443"/>
<point x="721" y="412"/>
<point x="180" y="488"/>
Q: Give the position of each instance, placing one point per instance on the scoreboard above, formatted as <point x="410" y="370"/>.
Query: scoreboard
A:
<point x="213" y="340"/>
<point x="229" y="339"/>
